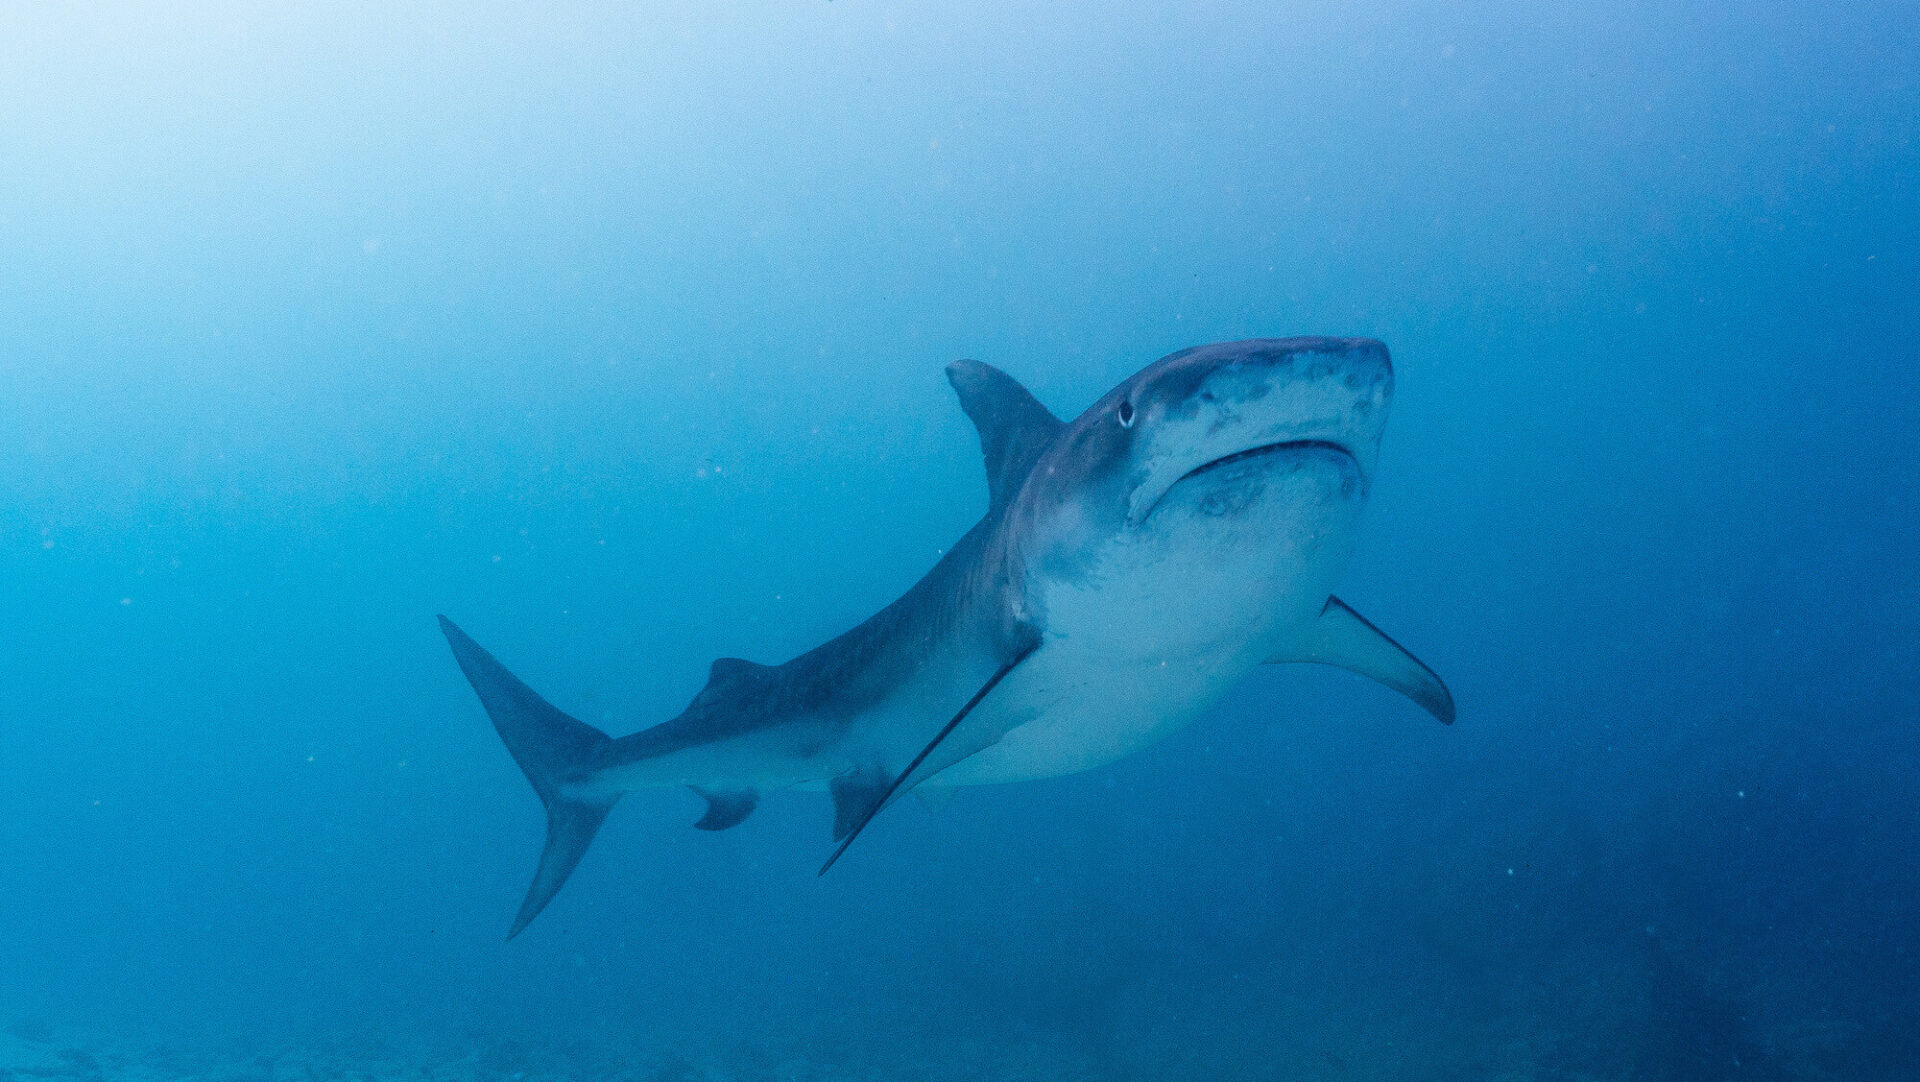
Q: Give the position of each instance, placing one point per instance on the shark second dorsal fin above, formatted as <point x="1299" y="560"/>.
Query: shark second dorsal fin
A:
<point x="1344" y="639"/>
<point x="730" y="677"/>
<point x="1014" y="426"/>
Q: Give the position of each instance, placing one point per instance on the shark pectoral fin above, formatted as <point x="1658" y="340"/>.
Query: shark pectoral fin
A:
<point x="894" y="788"/>
<point x="1014" y="427"/>
<point x="1344" y="639"/>
<point x="725" y="807"/>
<point x="855" y="797"/>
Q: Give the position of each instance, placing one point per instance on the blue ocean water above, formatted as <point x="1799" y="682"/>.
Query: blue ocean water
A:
<point x="616" y="332"/>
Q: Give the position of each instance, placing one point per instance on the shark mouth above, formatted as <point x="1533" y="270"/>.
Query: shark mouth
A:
<point x="1148" y="497"/>
<point x="1261" y="451"/>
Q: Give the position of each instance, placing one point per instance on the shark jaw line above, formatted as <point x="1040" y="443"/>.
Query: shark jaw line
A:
<point x="1145" y="508"/>
<point x="1263" y="449"/>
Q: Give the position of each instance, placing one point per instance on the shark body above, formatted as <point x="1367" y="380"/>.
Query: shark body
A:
<point x="1133" y="565"/>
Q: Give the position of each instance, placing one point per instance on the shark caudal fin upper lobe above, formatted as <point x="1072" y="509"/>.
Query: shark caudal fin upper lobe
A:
<point x="551" y="749"/>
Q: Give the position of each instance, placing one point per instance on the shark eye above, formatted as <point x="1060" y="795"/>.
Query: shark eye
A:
<point x="1125" y="413"/>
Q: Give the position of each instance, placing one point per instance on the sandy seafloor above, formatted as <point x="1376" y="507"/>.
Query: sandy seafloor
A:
<point x="1655" y="1021"/>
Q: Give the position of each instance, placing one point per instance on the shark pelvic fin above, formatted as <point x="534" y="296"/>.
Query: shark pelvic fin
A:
<point x="896" y="787"/>
<point x="1344" y="639"/>
<point x="855" y="797"/>
<point x="551" y="748"/>
<point x="1014" y="426"/>
<point x="725" y="807"/>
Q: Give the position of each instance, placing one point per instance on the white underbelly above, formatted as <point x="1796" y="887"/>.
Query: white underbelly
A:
<point x="1083" y="716"/>
<point x="1139" y="646"/>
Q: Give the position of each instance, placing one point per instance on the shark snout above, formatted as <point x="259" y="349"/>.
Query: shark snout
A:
<point x="1312" y="387"/>
<point x="1234" y="401"/>
<point x="1334" y="391"/>
<point x="1355" y="371"/>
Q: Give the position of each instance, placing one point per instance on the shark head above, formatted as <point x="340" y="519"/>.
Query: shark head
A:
<point x="1207" y="497"/>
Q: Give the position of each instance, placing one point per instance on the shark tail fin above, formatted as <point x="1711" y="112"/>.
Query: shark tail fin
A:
<point x="551" y="749"/>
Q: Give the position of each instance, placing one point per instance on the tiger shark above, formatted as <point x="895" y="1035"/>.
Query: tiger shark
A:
<point x="1132" y="567"/>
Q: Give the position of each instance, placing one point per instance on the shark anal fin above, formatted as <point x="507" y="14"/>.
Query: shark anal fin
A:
<point x="1344" y="639"/>
<point x="725" y="807"/>
<point x="1014" y="427"/>
<point x="855" y="796"/>
<point x="945" y="731"/>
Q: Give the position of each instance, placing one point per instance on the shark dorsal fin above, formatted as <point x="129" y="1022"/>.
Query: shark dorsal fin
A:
<point x="1014" y="426"/>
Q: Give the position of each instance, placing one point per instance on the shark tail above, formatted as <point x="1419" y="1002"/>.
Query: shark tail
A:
<point x="552" y="749"/>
